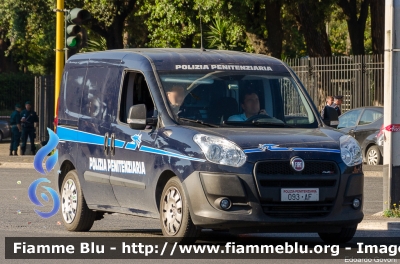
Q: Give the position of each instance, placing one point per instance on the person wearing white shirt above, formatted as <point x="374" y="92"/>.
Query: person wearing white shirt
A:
<point x="250" y="106"/>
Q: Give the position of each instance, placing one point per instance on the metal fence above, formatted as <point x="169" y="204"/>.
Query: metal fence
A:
<point x="44" y="105"/>
<point x="14" y="88"/>
<point x="358" y="78"/>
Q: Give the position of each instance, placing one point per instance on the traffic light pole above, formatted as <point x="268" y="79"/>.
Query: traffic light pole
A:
<point x="391" y="145"/>
<point x="65" y="39"/>
<point x="59" y="51"/>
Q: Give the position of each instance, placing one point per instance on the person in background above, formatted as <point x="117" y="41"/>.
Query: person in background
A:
<point x="175" y="97"/>
<point x="337" y="104"/>
<point x="15" y="122"/>
<point x="329" y="102"/>
<point x="28" y="120"/>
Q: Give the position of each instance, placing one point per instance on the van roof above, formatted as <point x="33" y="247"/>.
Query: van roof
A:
<point x="168" y="58"/>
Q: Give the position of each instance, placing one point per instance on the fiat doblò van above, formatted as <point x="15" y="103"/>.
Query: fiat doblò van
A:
<point x="202" y="139"/>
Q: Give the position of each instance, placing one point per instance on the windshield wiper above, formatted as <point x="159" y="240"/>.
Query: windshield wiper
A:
<point x="261" y="123"/>
<point x="257" y="123"/>
<point x="197" y="121"/>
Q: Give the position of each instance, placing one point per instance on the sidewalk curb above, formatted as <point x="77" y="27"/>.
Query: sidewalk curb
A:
<point x="379" y="225"/>
<point x="373" y="174"/>
<point x="15" y="165"/>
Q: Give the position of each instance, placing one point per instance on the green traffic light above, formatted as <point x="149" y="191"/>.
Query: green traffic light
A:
<point x="72" y="42"/>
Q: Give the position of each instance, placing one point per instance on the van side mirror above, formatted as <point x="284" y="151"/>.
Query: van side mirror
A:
<point x="331" y="117"/>
<point x="137" y="117"/>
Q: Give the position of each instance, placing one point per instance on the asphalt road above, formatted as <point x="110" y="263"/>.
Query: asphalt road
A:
<point x="17" y="218"/>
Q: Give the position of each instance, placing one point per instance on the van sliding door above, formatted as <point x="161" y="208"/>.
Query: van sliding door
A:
<point x="93" y="159"/>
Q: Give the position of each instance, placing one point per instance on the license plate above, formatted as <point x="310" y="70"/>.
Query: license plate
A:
<point x="300" y="195"/>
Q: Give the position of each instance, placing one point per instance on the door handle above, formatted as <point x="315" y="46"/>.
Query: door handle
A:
<point x="351" y="132"/>
<point x="106" y="143"/>
<point x="112" y="144"/>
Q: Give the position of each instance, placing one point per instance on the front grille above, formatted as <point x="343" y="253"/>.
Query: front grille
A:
<point x="297" y="210"/>
<point x="297" y="183"/>
<point x="284" y="168"/>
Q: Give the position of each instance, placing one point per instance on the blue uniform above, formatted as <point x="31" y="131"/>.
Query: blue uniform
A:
<point x="15" y="119"/>
<point x="28" y="129"/>
<point x="337" y="108"/>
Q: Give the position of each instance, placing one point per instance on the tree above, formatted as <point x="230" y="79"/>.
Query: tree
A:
<point x="28" y="35"/>
<point x="311" y="17"/>
<point x="262" y="23"/>
<point x="356" y="22"/>
<point x="173" y="23"/>
<point x="218" y="35"/>
<point x="293" y="44"/>
<point x="108" y="19"/>
<point x="378" y="25"/>
<point x="4" y="44"/>
<point x="136" y="33"/>
<point x="95" y="45"/>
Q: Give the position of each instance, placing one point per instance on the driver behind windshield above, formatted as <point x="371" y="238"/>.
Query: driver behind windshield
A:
<point x="250" y="105"/>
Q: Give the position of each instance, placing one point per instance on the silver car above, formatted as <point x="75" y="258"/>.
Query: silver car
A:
<point x="5" y="130"/>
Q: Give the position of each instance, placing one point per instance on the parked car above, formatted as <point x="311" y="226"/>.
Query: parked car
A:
<point x="5" y="130"/>
<point x="372" y="148"/>
<point x="364" y="125"/>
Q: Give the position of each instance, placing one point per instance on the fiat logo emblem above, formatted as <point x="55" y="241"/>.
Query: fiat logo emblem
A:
<point x="297" y="164"/>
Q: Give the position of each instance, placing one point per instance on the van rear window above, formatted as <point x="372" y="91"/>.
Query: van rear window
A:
<point x="73" y="90"/>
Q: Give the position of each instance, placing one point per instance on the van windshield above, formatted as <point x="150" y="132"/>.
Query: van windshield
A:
<point x="237" y="99"/>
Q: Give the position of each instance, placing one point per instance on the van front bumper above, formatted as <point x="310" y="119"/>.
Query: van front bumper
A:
<point x="258" y="209"/>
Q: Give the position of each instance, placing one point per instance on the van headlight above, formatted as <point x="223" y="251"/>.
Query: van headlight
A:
<point x="220" y="150"/>
<point x="350" y="151"/>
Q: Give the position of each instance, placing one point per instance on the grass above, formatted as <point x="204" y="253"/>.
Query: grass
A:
<point x="393" y="212"/>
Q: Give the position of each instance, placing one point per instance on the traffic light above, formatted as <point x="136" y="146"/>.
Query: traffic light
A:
<point x="76" y="17"/>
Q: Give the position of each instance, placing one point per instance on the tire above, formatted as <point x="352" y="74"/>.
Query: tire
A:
<point x="76" y="215"/>
<point x="176" y="223"/>
<point x="345" y="235"/>
<point x="374" y="156"/>
<point x="1" y="136"/>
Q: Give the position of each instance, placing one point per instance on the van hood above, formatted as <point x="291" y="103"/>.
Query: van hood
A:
<point x="282" y="143"/>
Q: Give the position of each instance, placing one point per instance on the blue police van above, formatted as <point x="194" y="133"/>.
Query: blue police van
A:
<point x="202" y="139"/>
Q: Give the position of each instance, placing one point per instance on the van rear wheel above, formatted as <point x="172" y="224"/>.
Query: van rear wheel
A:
<point x="176" y="223"/>
<point x="76" y="215"/>
<point x="345" y="235"/>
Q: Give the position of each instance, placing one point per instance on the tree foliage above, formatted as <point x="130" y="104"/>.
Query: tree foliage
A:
<point x="280" y="28"/>
<point x="356" y="13"/>
<point x="29" y="33"/>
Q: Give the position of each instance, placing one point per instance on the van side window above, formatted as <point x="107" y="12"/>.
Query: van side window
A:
<point x="135" y="91"/>
<point x="94" y="99"/>
<point x="73" y="89"/>
<point x="293" y="105"/>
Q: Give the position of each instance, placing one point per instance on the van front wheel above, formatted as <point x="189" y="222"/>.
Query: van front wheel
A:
<point x="176" y="223"/>
<point x="345" y="235"/>
<point x="75" y="213"/>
